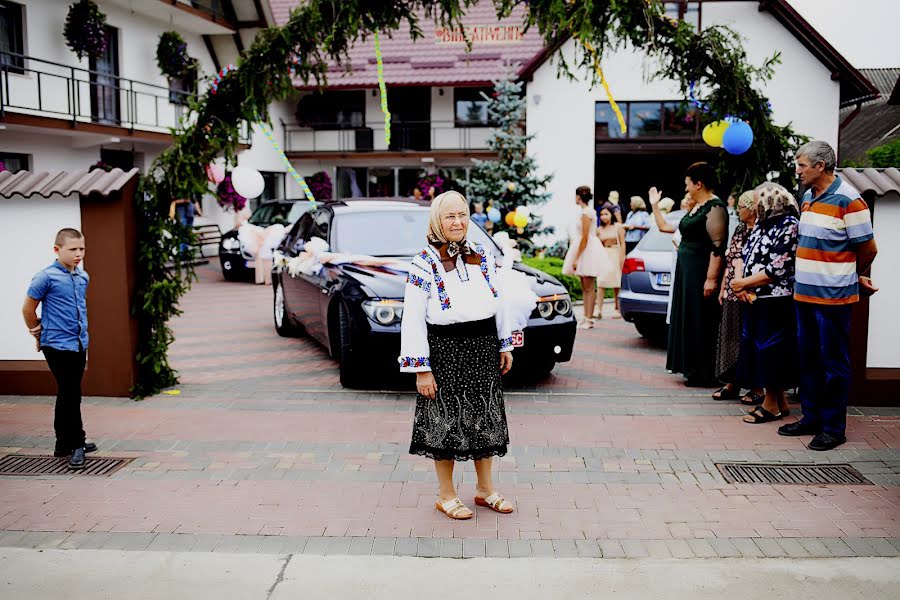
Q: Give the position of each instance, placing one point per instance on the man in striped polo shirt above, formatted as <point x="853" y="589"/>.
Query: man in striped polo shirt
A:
<point x="835" y="252"/>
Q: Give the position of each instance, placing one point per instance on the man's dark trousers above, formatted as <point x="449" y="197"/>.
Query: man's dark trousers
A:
<point x="823" y="333"/>
<point x="68" y="369"/>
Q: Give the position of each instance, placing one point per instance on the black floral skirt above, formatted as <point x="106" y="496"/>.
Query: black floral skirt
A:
<point x="467" y="418"/>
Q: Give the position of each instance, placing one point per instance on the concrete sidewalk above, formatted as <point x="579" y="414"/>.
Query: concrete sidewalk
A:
<point x="102" y="574"/>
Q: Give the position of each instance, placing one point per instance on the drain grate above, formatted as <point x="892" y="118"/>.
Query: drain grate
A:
<point x="23" y="464"/>
<point x="791" y="474"/>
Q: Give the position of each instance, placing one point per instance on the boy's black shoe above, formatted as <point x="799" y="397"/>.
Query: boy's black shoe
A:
<point x="826" y="441"/>
<point x="88" y="447"/>
<point x="797" y="428"/>
<point x="76" y="461"/>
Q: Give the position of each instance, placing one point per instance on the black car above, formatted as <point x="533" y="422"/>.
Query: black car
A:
<point x="236" y="262"/>
<point x="355" y="311"/>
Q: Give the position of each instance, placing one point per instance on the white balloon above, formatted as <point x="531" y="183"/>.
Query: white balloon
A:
<point x="247" y="182"/>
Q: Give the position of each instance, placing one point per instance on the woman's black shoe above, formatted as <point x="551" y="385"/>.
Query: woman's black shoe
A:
<point x="826" y="441"/>
<point x="76" y="461"/>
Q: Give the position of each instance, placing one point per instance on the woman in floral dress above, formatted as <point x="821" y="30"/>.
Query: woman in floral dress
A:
<point x="768" y="338"/>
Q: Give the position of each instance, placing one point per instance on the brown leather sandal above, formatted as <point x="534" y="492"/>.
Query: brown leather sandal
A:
<point x="453" y="508"/>
<point x="495" y="502"/>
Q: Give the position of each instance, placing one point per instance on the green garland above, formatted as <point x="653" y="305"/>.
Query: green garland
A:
<point x="320" y="31"/>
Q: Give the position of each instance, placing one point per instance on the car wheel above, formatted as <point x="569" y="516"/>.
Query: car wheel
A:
<point x="230" y="271"/>
<point x="351" y="371"/>
<point x="283" y="324"/>
<point x="655" y="333"/>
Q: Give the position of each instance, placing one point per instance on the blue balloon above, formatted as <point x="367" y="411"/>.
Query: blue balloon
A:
<point x="493" y="214"/>
<point x="738" y="138"/>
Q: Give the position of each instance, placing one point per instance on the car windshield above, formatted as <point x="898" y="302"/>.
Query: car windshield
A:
<point x="391" y="233"/>
<point x="285" y="213"/>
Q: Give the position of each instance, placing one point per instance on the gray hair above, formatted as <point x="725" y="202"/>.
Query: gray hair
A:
<point x="818" y="151"/>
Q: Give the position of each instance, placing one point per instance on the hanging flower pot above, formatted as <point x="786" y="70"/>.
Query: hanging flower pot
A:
<point x="85" y="30"/>
<point x="228" y="198"/>
<point x="172" y="57"/>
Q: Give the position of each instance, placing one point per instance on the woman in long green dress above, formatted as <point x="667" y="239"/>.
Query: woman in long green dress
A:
<point x="693" y="331"/>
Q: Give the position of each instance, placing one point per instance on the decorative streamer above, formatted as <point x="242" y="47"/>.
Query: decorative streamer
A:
<point x="612" y="101"/>
<point x="287" y="163"/>
<point x="221" y="75"/>
<point x="383" y="89"/>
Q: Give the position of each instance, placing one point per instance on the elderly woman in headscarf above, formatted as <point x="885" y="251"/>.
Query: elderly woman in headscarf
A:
<point x="768" y="356"/>
<point x="455" y="336"/>
<point x="729" y="346"/>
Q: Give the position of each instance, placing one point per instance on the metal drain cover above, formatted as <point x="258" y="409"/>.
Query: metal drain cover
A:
<point x="791" y="474"/>
<point x="23" y="464"/>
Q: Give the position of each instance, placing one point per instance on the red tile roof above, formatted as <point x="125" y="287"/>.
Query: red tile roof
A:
<point x="440" y="57"/>
<point x="65" y="183"/>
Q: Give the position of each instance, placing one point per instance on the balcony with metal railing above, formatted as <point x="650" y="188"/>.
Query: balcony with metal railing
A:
<point x="41" y="88"/>
<point x="406" y="136"/>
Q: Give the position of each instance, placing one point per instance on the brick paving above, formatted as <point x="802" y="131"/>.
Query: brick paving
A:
<point x="262" y="451"/>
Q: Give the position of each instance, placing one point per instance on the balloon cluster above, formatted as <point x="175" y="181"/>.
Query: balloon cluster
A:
<point x="287" y="163"/>
<point x="518" y="218"/>
<point x="221" y="75"/>
<point x="383" y="89"/>
<point x="732" y="134"/>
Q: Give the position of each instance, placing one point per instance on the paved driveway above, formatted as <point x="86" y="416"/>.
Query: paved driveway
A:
<point x="261" y="450"/>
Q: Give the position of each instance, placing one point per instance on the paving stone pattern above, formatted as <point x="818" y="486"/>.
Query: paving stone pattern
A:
<point x="261" y="451"/>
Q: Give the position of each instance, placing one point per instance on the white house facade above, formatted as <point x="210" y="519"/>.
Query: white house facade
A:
<point x="578" y="139"/>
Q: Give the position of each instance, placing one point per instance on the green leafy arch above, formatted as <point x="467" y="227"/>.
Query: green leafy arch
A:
<point x="321" y="31"/>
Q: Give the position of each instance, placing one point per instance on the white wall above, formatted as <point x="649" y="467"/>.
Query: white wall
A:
<point x="30" y="245"/>
<point x="561" y="112"/>
<point x="884" y="319"/>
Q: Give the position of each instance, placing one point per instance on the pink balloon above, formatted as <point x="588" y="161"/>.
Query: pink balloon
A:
<point x="215" y="173"/>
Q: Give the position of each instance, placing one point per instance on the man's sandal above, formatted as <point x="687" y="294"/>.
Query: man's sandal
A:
<point x="453" y="508"/>
<point x="752" y="399"/>
<point x="761" y="415"/>
<point x="495" y="502"/>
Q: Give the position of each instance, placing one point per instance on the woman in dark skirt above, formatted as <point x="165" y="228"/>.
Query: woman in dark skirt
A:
<point x="768" y="338"/>
<point x="694" y="327"/>
<point x="729" y="346"/>
<point x="455" y="336"/>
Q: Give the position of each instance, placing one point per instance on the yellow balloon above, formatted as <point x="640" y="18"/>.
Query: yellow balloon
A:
<point x="714" y="132"/>
<point x="520" y="220"/>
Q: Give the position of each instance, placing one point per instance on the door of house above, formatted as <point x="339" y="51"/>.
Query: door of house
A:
<point x="410" y="118"/>
<point x="105" y="82"/>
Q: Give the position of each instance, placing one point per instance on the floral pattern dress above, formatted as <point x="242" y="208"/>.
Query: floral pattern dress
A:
<point x="768" y="355"/>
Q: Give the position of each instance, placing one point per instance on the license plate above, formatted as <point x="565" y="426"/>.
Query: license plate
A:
<point x="518" y="339"/>
<point x="663" y="279"/>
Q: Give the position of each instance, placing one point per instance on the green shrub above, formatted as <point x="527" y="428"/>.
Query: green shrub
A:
<point x="553" y="266"/>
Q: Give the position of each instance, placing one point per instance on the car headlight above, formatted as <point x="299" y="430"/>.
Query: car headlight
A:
<point x="556" y="304"/>
<point x="385" y="312"/>
<point x="231" y="244"/>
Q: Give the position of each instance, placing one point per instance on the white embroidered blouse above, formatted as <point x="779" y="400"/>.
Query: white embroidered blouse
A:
<point x="468" y="293"/>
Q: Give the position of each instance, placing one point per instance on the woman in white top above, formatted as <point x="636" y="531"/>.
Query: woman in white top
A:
<point x="585" y="257"/>
<point x="456" y="337"/>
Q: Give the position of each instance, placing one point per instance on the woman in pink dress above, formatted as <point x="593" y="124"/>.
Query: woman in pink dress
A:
<point x="585" y="256"/>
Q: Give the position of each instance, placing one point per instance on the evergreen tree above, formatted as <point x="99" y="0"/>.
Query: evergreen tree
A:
<point x="510" y="181"/>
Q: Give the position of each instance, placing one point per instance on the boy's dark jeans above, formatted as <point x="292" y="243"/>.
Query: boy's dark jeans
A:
<point x="68" y="369"/>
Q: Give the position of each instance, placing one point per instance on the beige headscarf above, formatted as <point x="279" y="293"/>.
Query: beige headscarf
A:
<point x="448" y="250"/>
<point x="435" y="232"/>
<point x="774" y="201"/>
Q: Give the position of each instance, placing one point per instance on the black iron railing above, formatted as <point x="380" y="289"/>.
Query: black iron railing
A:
<point x="40" y="87"/>
<point x="405" y="136"/>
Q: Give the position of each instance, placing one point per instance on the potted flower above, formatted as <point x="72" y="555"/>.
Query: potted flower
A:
<point x="85" y="30"/>
<point x="228" y="198"/>
<point x="320" y="185"/>
<point x="172" y="57"/>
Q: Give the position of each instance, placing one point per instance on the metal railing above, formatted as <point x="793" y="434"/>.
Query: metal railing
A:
<point x="38" y="87"/>
<point x="405" y="136"/>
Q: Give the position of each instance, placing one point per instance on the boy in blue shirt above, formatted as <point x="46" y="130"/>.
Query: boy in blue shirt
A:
<point x="61" y="334"/>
